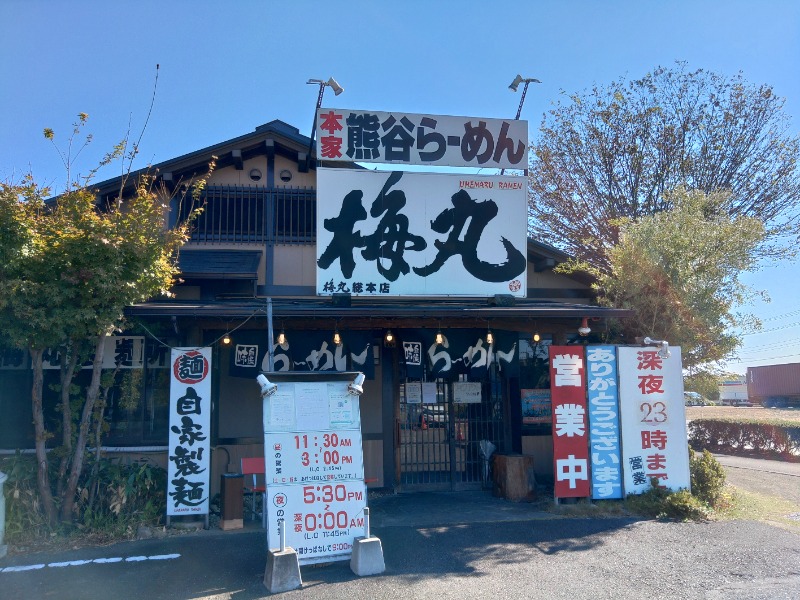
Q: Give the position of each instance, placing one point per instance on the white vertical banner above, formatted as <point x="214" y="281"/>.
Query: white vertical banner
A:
<point x="653" y="419"/>
<point x="190" y="428"/>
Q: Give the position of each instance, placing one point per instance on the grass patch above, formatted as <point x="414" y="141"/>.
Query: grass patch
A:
<point x="751" y="506"/>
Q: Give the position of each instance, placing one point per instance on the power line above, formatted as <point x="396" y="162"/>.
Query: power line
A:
<point x="789" y="326"/>
<point x="779" y="317"/>
<point x="766" y="358"/>
<point x="767" y="347"/>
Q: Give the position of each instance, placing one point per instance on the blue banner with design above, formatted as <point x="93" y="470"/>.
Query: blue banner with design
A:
<point x="604" y="429"/>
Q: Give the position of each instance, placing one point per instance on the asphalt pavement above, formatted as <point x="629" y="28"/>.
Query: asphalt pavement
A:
<point x="443" y="545"/>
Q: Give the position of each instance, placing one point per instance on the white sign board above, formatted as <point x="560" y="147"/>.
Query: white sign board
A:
<point x="119" y="352"/>
<point x="416" y="139"/>
<point x="467" y="392"/>
<point x="429" y="392"/>
<point x="190" y="429"/>
<point x="413" y="391"/>
<point x="653" y="419"/>
<point x="314" y="457"/>
<point x="431" y="234"/>
<point x="314" y="468"/>
<point x="322" y="519"/>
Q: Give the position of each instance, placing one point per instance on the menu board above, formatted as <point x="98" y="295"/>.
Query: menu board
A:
<point x="314" y="469"/>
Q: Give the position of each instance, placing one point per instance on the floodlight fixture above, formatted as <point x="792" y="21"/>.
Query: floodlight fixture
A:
<point x="357" y="387"/>
<point x="267" y="387"/>
<point x="519" y="79"/>
<point x="663" y="351"/>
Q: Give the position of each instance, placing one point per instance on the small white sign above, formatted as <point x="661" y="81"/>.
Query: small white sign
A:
<point x="467" y="392"/>
<point x="414" y="392"/>
<point x="429" y="392"/>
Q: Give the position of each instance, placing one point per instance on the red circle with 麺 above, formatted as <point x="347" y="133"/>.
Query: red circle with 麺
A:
<point x="194" y="375"/>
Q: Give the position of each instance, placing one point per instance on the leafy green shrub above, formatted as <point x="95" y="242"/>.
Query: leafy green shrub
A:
<point x="684" y="506"/>
<point x="24" y="517"/>
<point x="707" y="477"/>
<point x="113" y="498"/>
<point x="661" y="503"/>
<point x="773" y="438"/>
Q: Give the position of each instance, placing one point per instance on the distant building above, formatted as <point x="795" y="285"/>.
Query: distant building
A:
<point x="733" y="391"/>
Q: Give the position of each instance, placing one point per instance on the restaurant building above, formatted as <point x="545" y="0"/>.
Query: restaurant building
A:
<point x="425" y="282"/>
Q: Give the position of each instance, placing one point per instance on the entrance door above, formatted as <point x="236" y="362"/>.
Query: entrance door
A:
<point x="444" y="445"/>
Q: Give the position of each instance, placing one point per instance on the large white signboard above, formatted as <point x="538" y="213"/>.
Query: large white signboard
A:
<point x="119" y="352"/>
<point x="314" y="468"/>
<point x="653" y="419"/>
<point x="415" y="139"/>
<point x="403" y="234"/>
<point x="190" y="428"/>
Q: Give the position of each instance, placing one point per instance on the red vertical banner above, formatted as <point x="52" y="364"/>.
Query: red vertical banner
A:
<point x="570" y="422"/>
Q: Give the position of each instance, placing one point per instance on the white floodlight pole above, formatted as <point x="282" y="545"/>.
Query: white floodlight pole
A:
<point x="513" y="87"/>
<point x="337" y="89"/>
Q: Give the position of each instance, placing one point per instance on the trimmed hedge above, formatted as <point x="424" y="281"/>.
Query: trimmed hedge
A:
<point x="770" y="439"/>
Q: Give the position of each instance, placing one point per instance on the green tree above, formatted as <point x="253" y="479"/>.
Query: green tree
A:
<point x="680" y="271"/>
<point x="70" y="266"/>
<point x="705" y="382"/>
<point x="613" y="152"/>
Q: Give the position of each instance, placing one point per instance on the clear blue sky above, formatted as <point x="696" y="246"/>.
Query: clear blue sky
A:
<point x="227" y="67"/>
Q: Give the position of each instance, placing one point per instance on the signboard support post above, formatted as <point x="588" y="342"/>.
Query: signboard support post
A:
<point x="283" y="567"/>
<point x="367" y="557"/>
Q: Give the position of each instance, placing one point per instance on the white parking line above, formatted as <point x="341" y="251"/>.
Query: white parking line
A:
<point x="77" y="563"/>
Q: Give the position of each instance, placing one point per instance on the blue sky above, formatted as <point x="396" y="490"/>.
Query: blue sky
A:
<point x="226" y="68"/>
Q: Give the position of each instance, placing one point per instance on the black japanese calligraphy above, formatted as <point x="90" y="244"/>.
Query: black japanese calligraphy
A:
<point x="345" y="239"/>
<point x="123" y="351"/>
<point x="189" y="404"/>
<point x="188" y="493"/>
<point x="189" y="431"/>
<point x="453" y="220"/>
<point x="362" y="136"/>
<point x="391" y="238"/>
<point x="186" y="461"/>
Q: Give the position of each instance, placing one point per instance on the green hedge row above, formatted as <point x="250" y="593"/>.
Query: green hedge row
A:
<point x="771" y="439"/>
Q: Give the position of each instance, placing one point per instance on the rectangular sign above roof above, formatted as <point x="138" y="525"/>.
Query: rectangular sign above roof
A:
<point x="424" y="234"/>
<point x="413" y="139"/>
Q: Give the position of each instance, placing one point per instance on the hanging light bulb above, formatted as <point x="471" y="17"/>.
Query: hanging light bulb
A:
<point x="536" y="337"/>
<point x="281" y="338"/>
<point x="389" y="336"/>
<point x="439" y="338"/>
<point x="489" y="337"/>
<point x="226" y="339"/>
<point x="337" y="339"/>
